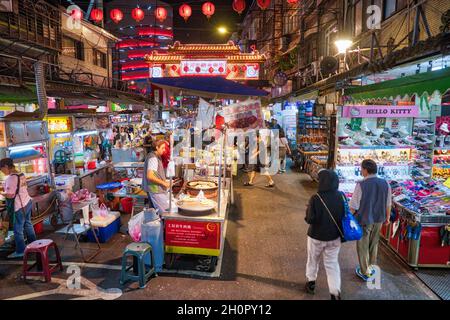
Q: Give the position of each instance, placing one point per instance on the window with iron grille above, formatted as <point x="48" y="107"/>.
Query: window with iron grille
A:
<point x="73" y="48"/>
<point x="99" y="58"/>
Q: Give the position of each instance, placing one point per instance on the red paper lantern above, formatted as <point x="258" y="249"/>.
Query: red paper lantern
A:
<point x="161" y="14"/>
<point x="292" y="1"/>
<point x="208" y="9"/>
<point x="97" y="15"/>
<point x="211" y="69"/>
<point x="185" y="69"/>
<point x="174" y="67"/>
<point x="163" y="66"/>
<point x="244" y="68"/>
<point x="221" y="69"/>
<point x="197" y="69"/>
<point x="235" y="69"/>
<point x="116" y="15"/>
<point x="263" y="4"/>
<point x="239" y="6"/>
<point x="138" y="14"/>
<point x="76" y="14"/>
<point x="185" y="11"/>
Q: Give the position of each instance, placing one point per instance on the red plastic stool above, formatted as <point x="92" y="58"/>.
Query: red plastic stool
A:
<point x="40" y="248"/>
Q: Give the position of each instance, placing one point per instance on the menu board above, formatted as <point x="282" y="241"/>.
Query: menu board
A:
<point x="244" y="115"/>
<point x="192" y="237"/>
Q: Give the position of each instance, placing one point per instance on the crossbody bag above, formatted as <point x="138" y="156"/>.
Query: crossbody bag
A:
<point x="332" y="218"/>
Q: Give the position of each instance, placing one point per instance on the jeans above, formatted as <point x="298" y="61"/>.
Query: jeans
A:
<point x="283" y="163"/>
<point x="23" y="223"/>
<point x="330" y="252"/>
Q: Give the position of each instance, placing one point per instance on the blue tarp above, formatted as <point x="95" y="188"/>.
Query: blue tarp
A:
<point x="208" y="87"/>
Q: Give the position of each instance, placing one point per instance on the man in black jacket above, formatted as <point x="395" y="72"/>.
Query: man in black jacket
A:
<point x="324" y="216"/>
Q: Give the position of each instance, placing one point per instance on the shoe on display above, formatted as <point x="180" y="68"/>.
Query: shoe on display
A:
<point x="444" y="127"/>
<point x="403" y="131"/>
<point x="423" y="124"/>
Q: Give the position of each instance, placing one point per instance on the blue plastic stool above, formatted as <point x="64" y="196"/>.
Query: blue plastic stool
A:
<point x="141" y="273"/>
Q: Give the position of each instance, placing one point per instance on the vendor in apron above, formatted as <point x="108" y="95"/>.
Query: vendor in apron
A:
<point x="154" y="181"/>
<point x="16" y="191"/>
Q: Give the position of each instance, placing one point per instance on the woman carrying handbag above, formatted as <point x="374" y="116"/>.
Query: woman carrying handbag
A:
<point x="16" y="189"/>
<point x="324" y="214"/>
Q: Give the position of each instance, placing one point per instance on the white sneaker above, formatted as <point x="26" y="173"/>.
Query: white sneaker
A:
<point x="444" y="127"/>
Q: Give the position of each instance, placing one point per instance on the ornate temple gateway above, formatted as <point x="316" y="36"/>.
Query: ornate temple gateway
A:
<point x="222" y="60"/>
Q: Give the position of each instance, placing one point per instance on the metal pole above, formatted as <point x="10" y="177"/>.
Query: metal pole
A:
<point x="219" y="198"/>
<point x="171" y="179"/>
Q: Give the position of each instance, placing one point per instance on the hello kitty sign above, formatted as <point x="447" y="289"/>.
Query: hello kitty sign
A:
<point x="374" y="111"/>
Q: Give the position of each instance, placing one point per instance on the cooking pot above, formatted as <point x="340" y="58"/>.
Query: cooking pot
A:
<point x="209" y="192"/>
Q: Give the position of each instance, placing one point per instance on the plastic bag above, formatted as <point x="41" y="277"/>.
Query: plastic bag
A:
<point x="135" y="226"/>
<point x="100" y="211"/>
<point x="351" y="228"/>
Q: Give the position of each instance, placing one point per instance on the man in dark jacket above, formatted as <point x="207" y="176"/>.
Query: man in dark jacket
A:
<point x="324" y="216"/>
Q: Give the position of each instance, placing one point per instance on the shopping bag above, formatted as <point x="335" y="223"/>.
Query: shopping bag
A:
<point x="135" y="226"/>
<point x="350" y="227"/>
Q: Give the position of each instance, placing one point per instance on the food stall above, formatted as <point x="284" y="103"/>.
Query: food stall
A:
<point x="130" y="145"/>
<point x="89" y="170"/>
<point x="26" y="142"/>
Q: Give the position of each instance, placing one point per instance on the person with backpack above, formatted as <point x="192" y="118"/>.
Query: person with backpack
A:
<point x="16" y="191"/>
<point x="324" y="215"/>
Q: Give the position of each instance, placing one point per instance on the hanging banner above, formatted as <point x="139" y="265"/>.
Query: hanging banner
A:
<point x="374" y="111"/>
<point x="192" y="237"/>
<point x="244" y="115"/>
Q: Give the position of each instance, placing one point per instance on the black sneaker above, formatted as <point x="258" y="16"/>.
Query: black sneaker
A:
<point x="310" y="287"/>
<point x="333" y="297"/>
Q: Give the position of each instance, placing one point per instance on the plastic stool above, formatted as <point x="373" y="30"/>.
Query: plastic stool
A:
<point x="137" y="250"/>
<point x="40" y="247"/>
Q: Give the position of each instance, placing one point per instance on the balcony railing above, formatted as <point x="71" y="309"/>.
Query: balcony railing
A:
<point x="37" y="23"/>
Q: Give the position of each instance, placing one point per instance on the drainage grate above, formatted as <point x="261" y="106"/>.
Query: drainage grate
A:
<point x="437" y="280"/>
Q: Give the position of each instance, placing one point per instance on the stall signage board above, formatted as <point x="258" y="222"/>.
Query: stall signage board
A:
<point x="192" y="237"/>
<point x="102" y="122"/>
<point x="59" y="124"/>
<point x="135" y="118"/>
<point x="244" y="115"/>
<point x="121" y="118"/>
<point x="203" y="67"/>
<point x="382" y="111"/>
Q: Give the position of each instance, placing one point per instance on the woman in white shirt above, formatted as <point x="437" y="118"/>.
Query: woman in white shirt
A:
<point x="16" y="188"/>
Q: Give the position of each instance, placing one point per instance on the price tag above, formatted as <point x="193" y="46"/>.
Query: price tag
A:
<point x="447" y="183"/>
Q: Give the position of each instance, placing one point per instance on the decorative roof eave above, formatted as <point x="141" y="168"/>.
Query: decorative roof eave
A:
<point x="229" y="47"/>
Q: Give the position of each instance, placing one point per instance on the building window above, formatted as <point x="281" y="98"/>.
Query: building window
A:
<point x="392" y="6"/>
<point x="73" y="48"/>
<point x="99" y="58"/>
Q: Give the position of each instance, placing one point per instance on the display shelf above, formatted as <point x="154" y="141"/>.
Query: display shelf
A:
<point x="373" y="147"/>
<point x="34" y="157"/>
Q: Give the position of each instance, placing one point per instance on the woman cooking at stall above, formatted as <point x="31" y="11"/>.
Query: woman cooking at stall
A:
<point x="154" y="181"/>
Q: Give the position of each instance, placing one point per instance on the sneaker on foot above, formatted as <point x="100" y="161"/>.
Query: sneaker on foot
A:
<point x="363" y="276"/>
<point x="310" y="286"/>
<point x="15" y="255"/>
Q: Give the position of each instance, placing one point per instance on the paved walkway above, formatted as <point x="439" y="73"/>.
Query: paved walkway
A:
<point x="265" y="258"/>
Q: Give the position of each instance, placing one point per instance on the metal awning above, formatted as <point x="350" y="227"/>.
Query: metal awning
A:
<point x="418" y="84"/>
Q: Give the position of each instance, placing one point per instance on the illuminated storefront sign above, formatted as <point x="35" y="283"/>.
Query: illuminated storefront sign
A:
<point x="59" y="124"/>
<point x="203" y="67"/>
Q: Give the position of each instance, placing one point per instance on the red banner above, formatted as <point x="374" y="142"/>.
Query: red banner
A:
<point x="192" y="237"/>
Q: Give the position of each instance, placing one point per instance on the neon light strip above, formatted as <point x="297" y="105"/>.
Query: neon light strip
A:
<point x="62" y="135"/>
<point x="25" y="147"/>
<point x="86" y="133"/>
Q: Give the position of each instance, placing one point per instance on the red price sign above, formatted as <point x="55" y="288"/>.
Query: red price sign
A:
<point x="192" y="237"/>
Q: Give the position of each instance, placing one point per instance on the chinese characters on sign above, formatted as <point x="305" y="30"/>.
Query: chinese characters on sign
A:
<point x="192" y="237"/>
<point x="59" y="125"/>
<point x="244" y="115"/>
